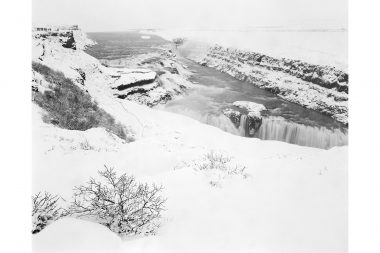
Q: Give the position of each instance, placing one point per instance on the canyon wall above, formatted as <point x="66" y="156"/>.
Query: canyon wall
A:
<point x="320" y="88"/>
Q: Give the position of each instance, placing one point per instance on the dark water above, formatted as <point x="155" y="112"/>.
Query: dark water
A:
<point x="283" y="121"/>
<point x="215" y="91"/>
<point x="116" y="45"/>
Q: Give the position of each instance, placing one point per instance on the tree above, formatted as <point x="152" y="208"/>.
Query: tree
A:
<point x="120" y="203"/>
<point x="178" y="41"/>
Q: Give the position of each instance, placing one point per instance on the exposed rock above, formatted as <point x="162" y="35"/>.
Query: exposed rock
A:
<point x="68" y="40"/>
<point x="172" y="70"/>
<point x="127" y="78"/>
<point x="248" y="121"/>
<point x="233" y="115"/>
<point x="66" y="50"/>
<point x="253" y="123"/>
<point x="320" y="88"/>
<point x="82" y="75"/>
<point x="161" y="77"/>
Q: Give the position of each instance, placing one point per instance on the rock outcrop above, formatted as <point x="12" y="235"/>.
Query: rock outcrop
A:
<point x="254" y="109"/>
<point x="233" y="115"/>
<point x="140" y="83"/>
<point x="126" y="79"/>
<point x="320" y="88"/>
<point x="69" y="41"/>
<point x="248" y="119"/>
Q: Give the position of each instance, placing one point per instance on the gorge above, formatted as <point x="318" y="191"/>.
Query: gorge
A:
<point x="305" y="104"/>
<point x="149" y="93"/>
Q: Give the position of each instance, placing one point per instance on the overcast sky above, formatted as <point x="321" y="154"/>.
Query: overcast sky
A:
<point x="119" y="15"/>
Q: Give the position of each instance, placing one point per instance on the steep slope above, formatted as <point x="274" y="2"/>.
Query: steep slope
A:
<point x="63" y="51"/>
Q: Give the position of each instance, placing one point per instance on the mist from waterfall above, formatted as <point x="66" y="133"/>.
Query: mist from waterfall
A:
<point x="220" y="121"/>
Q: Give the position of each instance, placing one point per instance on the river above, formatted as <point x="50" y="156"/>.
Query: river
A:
<point x="214" y="91"/>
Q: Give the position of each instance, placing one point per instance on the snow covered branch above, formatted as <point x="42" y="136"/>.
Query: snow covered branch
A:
<point x="120" y="203"/>
<point x="45" y="210"/>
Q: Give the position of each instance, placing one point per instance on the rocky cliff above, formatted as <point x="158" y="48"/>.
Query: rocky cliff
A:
<point x="320" y="88"/>
<point x="64" y="51"/>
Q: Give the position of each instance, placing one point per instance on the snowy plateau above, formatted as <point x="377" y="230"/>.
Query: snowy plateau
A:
<point x="289" y="199"/>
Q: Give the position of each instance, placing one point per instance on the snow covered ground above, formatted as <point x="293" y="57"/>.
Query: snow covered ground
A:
<point x="294" y="199"/>
<point x="83" y="68"/>
<point x="290" y="198"/>
<point x="321" y="47"/>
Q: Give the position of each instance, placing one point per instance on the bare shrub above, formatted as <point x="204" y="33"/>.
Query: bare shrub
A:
<point x="219" y="161"/>
<point x="119" y="202"/>
<point x="45" y="210"/>
<point x="70" y="107"/>
<point x="85" y="145"/>
<point x="216" y="166"/>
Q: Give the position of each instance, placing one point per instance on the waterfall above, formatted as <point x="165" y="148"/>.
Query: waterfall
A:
<point x="243" y="125"/>
<point x="279" y="129"/>
<point x="221" y="122"/>
<point x="276" y="128"/>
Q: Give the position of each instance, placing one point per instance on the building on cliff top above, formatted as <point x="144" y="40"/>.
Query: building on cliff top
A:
<point x="42" y="29"/>
<point x="55" y="28"/>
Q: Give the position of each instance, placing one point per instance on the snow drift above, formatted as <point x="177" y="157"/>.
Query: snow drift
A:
<point x="73" y="235"/>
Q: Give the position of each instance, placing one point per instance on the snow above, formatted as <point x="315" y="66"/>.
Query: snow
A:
<point x="328" y="47"/>
<point x="229" y="51"/>
<point x="50" y="138"/>
<point x="39" y="82"/>
<point x="129" y="76"/>
<point x="73" y="235"/>
<point x="329" y="101"/>
<point x="145" y="37"/>
<point x="254" y="109"/>
<point x="49" y="51"/>
<point x="81" y="39"/>
<point x="293" y="199"/>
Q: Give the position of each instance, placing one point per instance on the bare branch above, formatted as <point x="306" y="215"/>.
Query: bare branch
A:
<point x="119" y="202"/>
<point x="44" y="210"/>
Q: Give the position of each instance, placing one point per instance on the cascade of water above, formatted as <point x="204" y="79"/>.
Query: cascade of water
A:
<point x="276" y="128"/>
<point x="221" y="122"/>
<point x="279" y="129"/>
<point x="243" y="125"/>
